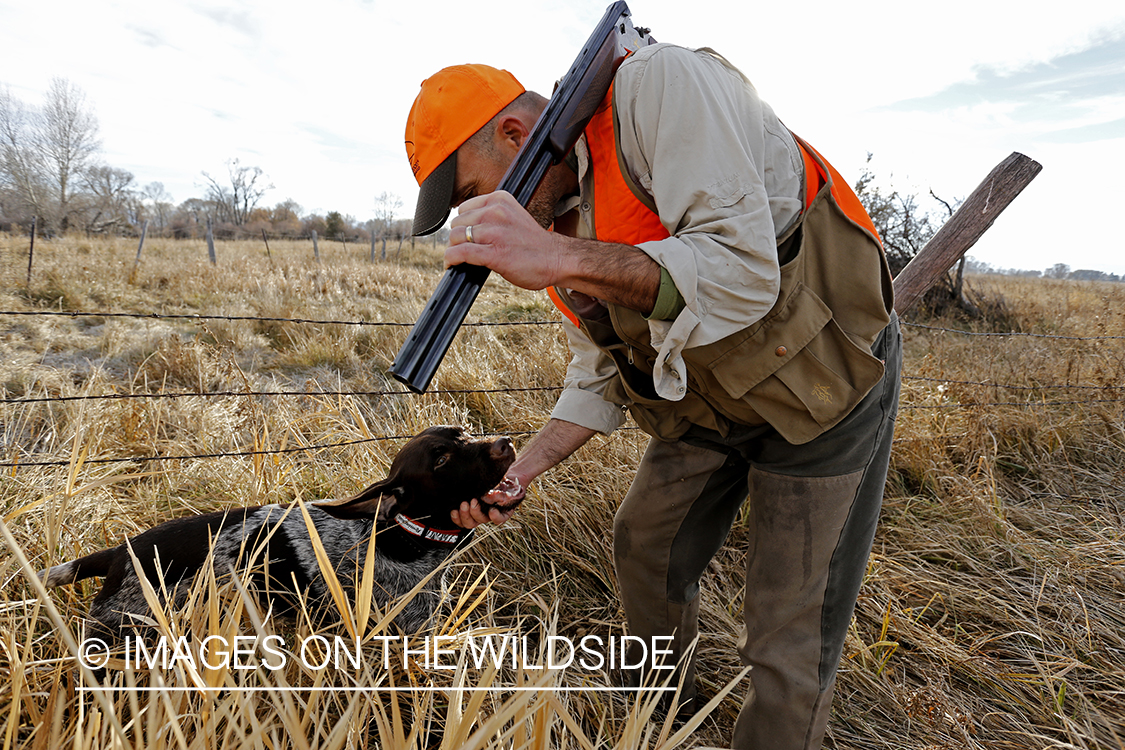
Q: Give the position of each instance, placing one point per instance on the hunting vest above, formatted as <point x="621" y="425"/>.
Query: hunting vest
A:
<point x="802" y="367"/>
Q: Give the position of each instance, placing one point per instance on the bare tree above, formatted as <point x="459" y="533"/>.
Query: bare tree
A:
<point x="386" y="206"/>
<point x="285" y="217"/>
<point x="235" y="203"/>
<point x="67" y="138"/>
<point x="1057" y="271"/>
<point x="905" y="226"/>
<point x="189" y="216"/>
<point x="160" y="204"/>
<point x="111" y="198"/>
<point x="20" y="165"/>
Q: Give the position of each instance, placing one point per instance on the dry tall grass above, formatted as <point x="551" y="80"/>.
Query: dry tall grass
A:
<point x="991" y="616"/>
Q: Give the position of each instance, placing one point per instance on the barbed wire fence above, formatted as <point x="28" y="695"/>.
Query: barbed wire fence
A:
<point x="1107" y="393"/>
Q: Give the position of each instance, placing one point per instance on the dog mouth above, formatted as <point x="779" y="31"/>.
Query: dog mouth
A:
<point x="506" y="495"/>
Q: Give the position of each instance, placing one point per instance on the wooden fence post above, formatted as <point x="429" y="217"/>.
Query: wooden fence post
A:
<point x="211" y="244"/>
<point x="964" y="228"/>
<point x="268" y="255"/>
<point x="372" y="258"/>
<point x="140" y="246"/>
<point x="316" y="247"/>
<point x="31" y="250"/>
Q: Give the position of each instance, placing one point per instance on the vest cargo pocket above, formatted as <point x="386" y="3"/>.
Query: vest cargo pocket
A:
<point x="800" y="371"/>
<point x="770" y="346"/>
<point x="825" y="381"/>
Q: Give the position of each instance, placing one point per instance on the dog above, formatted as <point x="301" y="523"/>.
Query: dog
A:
<point x="408" y="513"/>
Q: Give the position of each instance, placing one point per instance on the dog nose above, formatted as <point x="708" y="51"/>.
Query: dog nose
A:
<point x="502" y="448"/>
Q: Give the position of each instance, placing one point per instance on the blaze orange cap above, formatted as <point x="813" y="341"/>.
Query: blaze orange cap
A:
<point x="454" y="103"/>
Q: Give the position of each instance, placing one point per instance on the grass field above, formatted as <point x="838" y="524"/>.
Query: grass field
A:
<point x="992" y="614"/>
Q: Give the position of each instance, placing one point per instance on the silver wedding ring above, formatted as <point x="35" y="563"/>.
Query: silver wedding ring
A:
<point x="468" y="234"/>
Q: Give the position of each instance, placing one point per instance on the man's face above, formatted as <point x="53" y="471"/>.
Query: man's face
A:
<point x="480" y="170"/>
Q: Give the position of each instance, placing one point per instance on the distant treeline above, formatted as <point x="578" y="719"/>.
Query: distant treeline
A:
<point x="1057" y="271"/>
<point x="52" y="175"/>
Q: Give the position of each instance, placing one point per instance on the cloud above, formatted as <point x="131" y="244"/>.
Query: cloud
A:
<point x="1077" y="97"/>
<point x="147" y="36"/>
<point x="242" y="22"/>
<point x="1101" y="131"/>
<point x="337" y="145"/>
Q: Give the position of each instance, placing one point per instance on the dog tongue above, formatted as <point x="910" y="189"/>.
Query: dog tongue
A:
<point x="505" y="493"/>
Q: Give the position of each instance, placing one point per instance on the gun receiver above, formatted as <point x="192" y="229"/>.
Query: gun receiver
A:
<point x="564" y="118"/>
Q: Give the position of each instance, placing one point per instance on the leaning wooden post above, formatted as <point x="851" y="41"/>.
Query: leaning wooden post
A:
<point x="316" y="247"/>
<point x="31" y="250"/>
<point x="211" y="244"/>
<point x="964" y="228"/>
<point x="267" y="245"/>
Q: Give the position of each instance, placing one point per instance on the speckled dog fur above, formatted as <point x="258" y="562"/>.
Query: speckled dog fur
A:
<point x="434" y="473"/>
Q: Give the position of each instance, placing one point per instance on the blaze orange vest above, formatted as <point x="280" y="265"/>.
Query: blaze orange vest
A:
<point x="835" y="297"/>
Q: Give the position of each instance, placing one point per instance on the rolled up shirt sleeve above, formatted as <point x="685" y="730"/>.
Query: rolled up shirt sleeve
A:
<point x="726" y="178"/>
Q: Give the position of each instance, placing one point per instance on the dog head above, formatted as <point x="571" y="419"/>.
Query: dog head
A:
<point x="436" y="471"/>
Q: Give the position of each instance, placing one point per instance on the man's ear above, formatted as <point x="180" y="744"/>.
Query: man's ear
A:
<point x="511" y="132"/>
<point x="380" y="500"/>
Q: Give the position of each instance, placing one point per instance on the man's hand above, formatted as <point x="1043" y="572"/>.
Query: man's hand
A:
<point x="472" y="514"/>
<point x="557" y="440"/>
<point x="507" y="239"/>
<point x="498" y="505"/>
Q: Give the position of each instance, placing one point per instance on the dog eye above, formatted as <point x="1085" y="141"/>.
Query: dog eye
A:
<point x="442" y="460"/>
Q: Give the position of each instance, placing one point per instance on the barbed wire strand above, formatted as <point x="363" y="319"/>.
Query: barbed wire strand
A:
<point x="469" y="391"/>
<point x="225" y="394"/>
<point x="257" y="318"/>
<point x="328" y="446"/>
<point x="985" y="383"/>
<point x="325" y="446"/>
<point x="973" y="405"/>
<point x="1015" y="333"/>
<point x="312" y="321"/>
<point x="241" y="454"/>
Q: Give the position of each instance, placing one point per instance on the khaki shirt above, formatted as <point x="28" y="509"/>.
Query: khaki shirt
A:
<point x="727" y="179"/>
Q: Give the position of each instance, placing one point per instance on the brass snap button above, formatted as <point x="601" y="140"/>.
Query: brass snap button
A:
<point x="781" y="351"/>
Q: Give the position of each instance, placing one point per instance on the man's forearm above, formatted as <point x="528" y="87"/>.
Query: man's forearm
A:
<point x="552" y="445"/>
<point x="510" y="241"/>
<point x="610" y="271"/>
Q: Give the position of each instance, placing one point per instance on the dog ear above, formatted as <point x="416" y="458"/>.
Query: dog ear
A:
<point x="380" y="500"/>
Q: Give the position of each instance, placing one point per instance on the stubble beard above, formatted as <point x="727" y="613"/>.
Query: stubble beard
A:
<point x="545" y="198"/>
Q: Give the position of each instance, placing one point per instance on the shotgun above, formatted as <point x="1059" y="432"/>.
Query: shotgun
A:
<point x="564" y="118"/>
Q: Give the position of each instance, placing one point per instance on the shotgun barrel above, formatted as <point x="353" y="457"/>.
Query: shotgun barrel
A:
<point x="564" y="118"/>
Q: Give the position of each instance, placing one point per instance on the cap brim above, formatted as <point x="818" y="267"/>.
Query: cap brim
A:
<point x="434" y="197"/>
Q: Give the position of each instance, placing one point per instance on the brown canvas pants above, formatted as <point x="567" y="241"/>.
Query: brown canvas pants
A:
<point x="813" y="510"/>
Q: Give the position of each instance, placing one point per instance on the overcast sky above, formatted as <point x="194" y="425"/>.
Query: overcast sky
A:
<point x="316" y="94"/>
